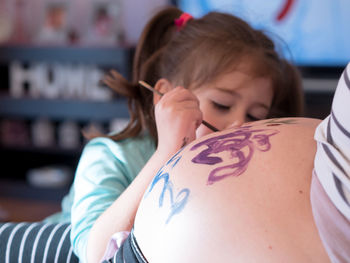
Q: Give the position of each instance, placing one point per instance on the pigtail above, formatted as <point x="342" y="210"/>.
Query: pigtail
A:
<point x="148" y="54"/>
<point x="155" y="36"/>
<point x="293" y="86"/>
<point x="289" y="99"/>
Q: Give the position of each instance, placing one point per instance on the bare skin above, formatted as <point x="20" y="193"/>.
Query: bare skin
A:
<point x="255" y="211"/>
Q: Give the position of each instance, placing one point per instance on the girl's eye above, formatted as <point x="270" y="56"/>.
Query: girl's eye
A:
<point x="221" y="106"/>
<point x="252" y="118"/>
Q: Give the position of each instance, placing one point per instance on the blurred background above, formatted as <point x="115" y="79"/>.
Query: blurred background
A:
<point x="53" y="54"/>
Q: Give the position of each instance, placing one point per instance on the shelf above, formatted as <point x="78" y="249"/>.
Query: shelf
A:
<point x="108" y="57"/>
<point x="16" y="209"/>
<point x="17" y="160"/>
<point x="102" y="56"/>
<point x="322" y="72"/>
<point x="320" y="85"/>
<point x="318" y="104"/>
<point x="47" y="151"/>
<point x="59" y="109"/>
<point x="21" y="189"/>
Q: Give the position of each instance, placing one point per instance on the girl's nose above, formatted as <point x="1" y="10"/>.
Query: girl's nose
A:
<point x="235" y="124"/>
<point x="236" y="120"/>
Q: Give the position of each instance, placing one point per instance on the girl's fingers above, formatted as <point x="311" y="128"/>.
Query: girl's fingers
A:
<point x="177" y="128"/>
<point x="177" y="100"/>
<point x="177" y="118"/>
<point x="179" y="94"/>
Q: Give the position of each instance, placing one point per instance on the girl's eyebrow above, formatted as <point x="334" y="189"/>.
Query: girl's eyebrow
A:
<point x="229" y="92"/>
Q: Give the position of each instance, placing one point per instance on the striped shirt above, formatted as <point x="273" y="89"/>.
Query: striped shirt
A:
<point x="330" y="187"/>
<point x="332" y="161"/>
<point x="36" y="243"/>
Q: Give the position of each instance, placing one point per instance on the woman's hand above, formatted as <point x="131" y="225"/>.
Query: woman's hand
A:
<point x="177" y="116"/>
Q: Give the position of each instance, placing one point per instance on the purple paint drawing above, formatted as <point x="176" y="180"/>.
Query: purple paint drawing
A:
<point x="240" y="145"/>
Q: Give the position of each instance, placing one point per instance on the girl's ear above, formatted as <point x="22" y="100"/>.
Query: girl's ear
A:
<point x="163" y="86"/>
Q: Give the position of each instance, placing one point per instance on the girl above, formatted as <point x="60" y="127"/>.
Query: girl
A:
<point x="215" y="68"/>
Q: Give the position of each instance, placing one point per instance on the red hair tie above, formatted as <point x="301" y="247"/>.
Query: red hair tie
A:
<point x="182" y="21"/>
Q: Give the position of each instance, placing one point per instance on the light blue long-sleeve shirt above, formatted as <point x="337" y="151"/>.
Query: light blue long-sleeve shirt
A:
<point x="105" y="170"/>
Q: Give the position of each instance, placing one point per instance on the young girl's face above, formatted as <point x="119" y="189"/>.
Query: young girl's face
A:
<point x="234" y="97"/>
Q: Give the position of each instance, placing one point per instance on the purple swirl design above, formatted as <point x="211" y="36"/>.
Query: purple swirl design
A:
<point x="240" y="145"/>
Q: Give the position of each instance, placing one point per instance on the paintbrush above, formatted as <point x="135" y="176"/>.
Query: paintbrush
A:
<point x="147" y="86"/>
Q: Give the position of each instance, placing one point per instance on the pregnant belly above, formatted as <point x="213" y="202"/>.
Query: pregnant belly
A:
<point x="254" y="207"/>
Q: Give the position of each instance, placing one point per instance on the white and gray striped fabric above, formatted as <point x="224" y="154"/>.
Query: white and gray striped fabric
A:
<point x="36" y="242"/>
<point x="330" y="188"/>
<point x="332" y="161"/>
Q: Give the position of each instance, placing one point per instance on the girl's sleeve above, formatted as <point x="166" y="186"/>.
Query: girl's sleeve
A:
<point x="114" y="245"/>
<point x="330" y="188"/>
<point x="100" y="178"/>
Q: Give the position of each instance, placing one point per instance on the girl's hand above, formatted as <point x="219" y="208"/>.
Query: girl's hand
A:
<point x="177" y="116"/>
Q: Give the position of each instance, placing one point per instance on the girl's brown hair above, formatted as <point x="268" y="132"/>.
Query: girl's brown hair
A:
<point x="202" y="50"/>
